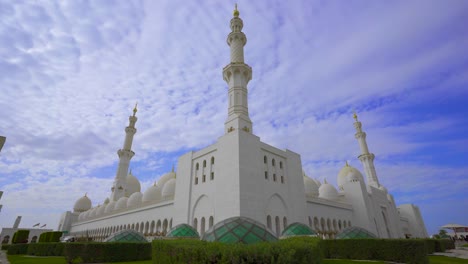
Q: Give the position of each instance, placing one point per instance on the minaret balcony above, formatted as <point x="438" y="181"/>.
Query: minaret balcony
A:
<point x="237" y="68"/>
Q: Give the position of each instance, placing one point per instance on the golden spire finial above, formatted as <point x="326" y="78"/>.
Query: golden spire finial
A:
<point x="347" y="165"/>
<point x="355" y="116"/>
<point x="135" y="109"/>
<point x="236" y="12"/>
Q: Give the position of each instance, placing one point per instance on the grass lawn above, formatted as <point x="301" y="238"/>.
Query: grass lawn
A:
<point x="24" y="259"/>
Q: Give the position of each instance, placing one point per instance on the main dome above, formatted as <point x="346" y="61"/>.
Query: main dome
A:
<point x="82" y="204"/>
<point x="238" y="230"/>
<point x="348" y="174"/>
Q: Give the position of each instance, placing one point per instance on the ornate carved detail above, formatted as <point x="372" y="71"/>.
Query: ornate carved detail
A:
<point x="246" y="129"/>
<point x="230" y="129"/>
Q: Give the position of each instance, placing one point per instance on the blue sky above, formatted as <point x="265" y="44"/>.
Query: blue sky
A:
<point x="71" y="71"/>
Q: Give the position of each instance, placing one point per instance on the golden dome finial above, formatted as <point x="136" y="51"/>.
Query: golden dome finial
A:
<point x="236" y="12"/>
<point x="347" y="165"/>
<point x="355" y="116"/>
<point x="135" y="109"/>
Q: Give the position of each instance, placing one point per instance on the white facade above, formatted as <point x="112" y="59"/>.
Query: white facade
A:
<point x="240" y="175"/>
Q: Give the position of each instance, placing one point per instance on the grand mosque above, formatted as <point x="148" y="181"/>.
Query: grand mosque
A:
<point x="241" y="176"/>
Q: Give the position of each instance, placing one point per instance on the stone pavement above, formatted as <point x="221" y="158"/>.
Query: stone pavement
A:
<point x="3" y="258"/>
<point x="459" y="252"/>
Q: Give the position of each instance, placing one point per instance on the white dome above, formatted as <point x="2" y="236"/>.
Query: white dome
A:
<point x="165" y="178"/>
<point x="133" y="185"/>
<point x="153" y="193"/>
<point x="110" y="207"/>
<point x="169" y="189"/>
<point x="101" y="210"/>
<point x="82" y="204"/>
<point x="327" y="191"/>
<point x="348" y="174"/>
<point x="81" y="216"/>
<point x="311" y="187"/>
<point x="134" y="199"/>
<point x="92" y="213"/>
<point x="121" y="203"/>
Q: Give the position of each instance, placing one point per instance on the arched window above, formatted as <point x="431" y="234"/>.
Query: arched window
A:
<point x="282" y="179"/>
<point x="170" y="223"/>
<point x="212" y="176"/>
<point x="339" y="224"/>
<point x="285" y="222"/>
<point x="281" y="164"/>
<point x="345" y="224"/>
<point x="196" y="180"/>
<point x="269" y="222"/>
<point x="349" y="223"/>
<point x="195" y="224"/>
<point x="158" y="227"/>
<point x="202" y="226"/>
<point x="274" y="177"/>
<point x="273" y="162"/>
<point x="266" y="175"/>
<point x="153" y="225"/>
<point x="204" y="164"/>
<point x="211" y="221"/>
<point x="137" y="227"/>
<point x="165" y="226"/>
<point x="212" y="160"/>
<point x="335" y="228"/>
<point x="310" y="222"/>
<point x="277" y="224"/>
<point x="265" y="160"/>
<point x="328" y="224"/>
<point x="197" y="166"/>
<point x="203" y="178"/>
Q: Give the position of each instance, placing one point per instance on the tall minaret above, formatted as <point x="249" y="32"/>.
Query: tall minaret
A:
<point x="366" y="158"/>
<point x="125" y="155"/>
<point x="237" y="74"/>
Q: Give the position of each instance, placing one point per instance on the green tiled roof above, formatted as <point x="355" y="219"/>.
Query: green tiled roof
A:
<point x="239" y="230"/>
<point x="183" y="230"/>
<point x="298" y="229"/>
<point x="355" y="232"/>
<point x="128" y="235"/>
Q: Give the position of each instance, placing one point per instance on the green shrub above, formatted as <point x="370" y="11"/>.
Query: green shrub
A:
<point x="46" y="249"/>
<point x="5" y="246"/>
<point x="50" y="237"/>
<point x="17" y="249"/>
<point x="291" y="250"/>
<point x="106" y="252"/>
<point x="396" y="250"/>
<point x="20" y="236"/>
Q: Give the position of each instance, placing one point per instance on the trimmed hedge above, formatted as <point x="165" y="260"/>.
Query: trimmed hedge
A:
<point x="396" y="250"/>
<point x="17" y="249"/>
<point x="53" y="236"/>
<point x="46" y="249"/>
<point x="5" y="246"/>
<point x="438" y="245"/>
<point x="106" y="252"/>
<point x="291" y="250"/>
<point x="20" y="236"/>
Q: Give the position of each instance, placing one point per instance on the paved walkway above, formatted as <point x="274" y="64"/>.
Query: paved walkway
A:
<point x="3" y="258"/>
<point x="459" y="252"/>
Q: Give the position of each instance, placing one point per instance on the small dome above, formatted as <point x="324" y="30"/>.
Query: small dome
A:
<point x="327" y="191"/>
<point x="239" y="230"/>
<point x="121" y="203"/>
<point x="133" y="185"/>
<point x="169" y="189"/>
<point x="311" y="187"/>
<point x="348" y="174"/>
<point x="165" y="178"/>
<point x="126" y="235"/>
<point x="101" y="210"/>
<point x="106" y="201"/>
<point x="354" y="232"/>
<point x="134" y="199"/>
<point x="81" y="216"/>
<point x="92" y="212"/>
<point x="153" y="194"/>
<point x="110" y="207"/>
<point x="82" y="204"/>
<point x="298" y="229"/>
<point x="183" y="231"/>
